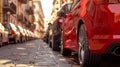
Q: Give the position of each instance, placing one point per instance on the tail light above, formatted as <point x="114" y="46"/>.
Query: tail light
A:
<point x="107" y="1"/>
<point x="60" y="21"/>
<point x="12" y="31"/>
<point x="20" y="34"/>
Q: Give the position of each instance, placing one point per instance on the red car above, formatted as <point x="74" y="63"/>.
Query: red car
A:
<point x="92" y="28"/>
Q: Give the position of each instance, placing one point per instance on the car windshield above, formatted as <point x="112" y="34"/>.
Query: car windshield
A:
<point x="8" y="27"/>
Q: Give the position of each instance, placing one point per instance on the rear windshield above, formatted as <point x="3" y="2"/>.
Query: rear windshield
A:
<point x="9" y="27"/>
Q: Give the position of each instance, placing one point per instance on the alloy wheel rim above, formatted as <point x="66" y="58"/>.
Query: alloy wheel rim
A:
<point x="49" y="41"/>
<point x="1" y="40"/>
<point x="61" y="48"/>
<point x="52" y="41"/>
<point x="81" y="54"/>
<point x="81" y="46"/>
<point x="62" y="44"/>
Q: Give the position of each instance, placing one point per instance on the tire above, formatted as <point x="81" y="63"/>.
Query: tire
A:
<point x="21" y="39"/>
<point x="7" y="43"/>
<point x="55" y="45"/>
<point x="63" y="51"/>
<point x="1" y="41"/>
<point x="15" y="41"/>
<point x="85" y="57"/>
<point x="49" y="41"/>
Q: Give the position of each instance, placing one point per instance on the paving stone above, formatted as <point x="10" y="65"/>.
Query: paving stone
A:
<point x="45" y="66"/>
<point x="45" y="63"/>
<point x="64" y="65"/>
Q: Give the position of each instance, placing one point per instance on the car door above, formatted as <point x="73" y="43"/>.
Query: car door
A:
<point x="72" y="21"/>
<point x="75" y="22"/>
<point x="4" y="34"/>
<point x="66" y="24"/>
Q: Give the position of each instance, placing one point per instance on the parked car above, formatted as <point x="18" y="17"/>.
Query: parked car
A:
<point x="47" y="33"/>
<point x="26" y="34"/>
<point x="92" y="29"/>
<point x="22" y="34"/>
<point x="31" y="35"/>
<point x="13" y="32"/>
<point x="55" y="38"/>
<point x="3" y="35"/>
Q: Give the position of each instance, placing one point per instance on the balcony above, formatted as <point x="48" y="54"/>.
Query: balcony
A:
<point x="23" y="1"/>
<point x="29" y="10"/>
<point x="20" y="17"/>
<point x="9" y="7"/>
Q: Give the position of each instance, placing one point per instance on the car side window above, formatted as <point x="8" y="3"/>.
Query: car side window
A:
<point x="67" y="8"/>
<point x="64" y="9"/>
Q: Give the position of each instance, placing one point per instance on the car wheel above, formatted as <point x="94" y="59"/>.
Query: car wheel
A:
<point x="85" y="57"/>
<point x="21" y="39"/>
<point x="55" y="45"/>
<point x="64" y="51"/>
<point x="15" y="41"/>
<point x="49" y="41"/>
<point x="7" y="43"/>
<point x="1" y="41"/>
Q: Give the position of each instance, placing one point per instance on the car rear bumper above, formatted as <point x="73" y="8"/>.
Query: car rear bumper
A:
<point x="105" y="44"/>
<point x="12" y="37"/>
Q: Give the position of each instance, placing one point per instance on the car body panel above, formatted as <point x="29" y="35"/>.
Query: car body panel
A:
<point x="102" y="23"/>
<point x="4" y="33"/>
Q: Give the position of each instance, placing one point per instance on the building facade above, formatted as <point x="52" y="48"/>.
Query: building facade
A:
<point x="39" y="18"/>
<point x="8" y="11"/>
<point x="18" y="12"/>
<point x="56" y="5"/>
<point x="25" y="14"/>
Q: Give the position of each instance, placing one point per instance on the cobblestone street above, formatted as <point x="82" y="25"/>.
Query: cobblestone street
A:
<point x="34" y="53"/>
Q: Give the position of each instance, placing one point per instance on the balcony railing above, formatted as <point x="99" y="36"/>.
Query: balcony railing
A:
<point x="23" y="1"/>
<point x="20" y="17"/>
<point x="29" y="10"/>
<point x="9" y="6"/>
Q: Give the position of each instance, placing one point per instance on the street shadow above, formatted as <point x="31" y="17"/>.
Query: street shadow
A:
<point x="110" y="61"/>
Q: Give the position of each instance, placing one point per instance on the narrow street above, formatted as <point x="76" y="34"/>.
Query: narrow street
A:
<point x="36" y="53"/>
